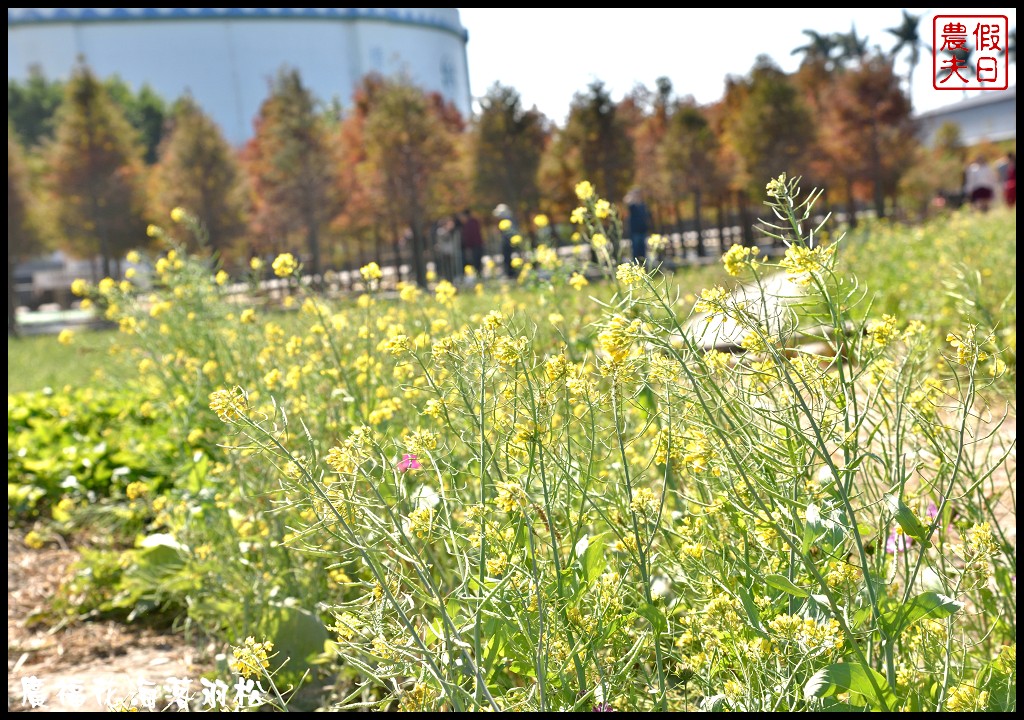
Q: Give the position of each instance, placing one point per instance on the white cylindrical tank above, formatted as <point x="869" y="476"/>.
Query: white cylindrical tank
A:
<point x="226" y="57"/>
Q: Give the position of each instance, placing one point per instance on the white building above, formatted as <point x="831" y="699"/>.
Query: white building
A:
<point x="988" y="117"/>
<point x="226" y="57"/>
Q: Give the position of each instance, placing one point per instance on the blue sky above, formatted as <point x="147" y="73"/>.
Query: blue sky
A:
<point x="550" y="54"/>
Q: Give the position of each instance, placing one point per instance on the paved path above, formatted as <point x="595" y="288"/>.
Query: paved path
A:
<point x="725" y="334"/>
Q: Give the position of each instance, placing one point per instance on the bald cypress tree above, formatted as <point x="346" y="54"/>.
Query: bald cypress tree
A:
<point x="508" y="141"/>
<point x="598" y="133"/>
<point x="22" y="238"/>
<point x="199" y="170"/>
<point x="291" y="166"/>
<point x="773" y="129"/>
<point x="410" y="156"/>
<point x="94" y="172"/>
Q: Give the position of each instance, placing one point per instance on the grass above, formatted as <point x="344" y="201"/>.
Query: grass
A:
<point x="36" y="362"/>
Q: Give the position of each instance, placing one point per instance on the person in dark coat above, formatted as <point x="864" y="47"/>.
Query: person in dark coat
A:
<point x="639" y="225"/>
<point x="472" y="241"/>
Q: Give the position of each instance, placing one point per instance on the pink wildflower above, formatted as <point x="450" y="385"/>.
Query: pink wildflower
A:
<point x="409" y="462"/>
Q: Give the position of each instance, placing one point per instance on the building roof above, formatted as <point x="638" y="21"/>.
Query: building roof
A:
<point x="985" y="98"/>
<point x="990" y="116"/>
<point x="440" y="18"/>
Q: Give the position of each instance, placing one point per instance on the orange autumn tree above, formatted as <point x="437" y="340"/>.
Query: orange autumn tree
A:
<point x="199" y="170"/>
<point x="867" y="129"/>
<point x="94" y="173"/>
<point x="771" y="130"/>
<point x="688" y="154"/>
<point x="361" y="220"/>
<point x="647" y="132"/>
<point x="292" y="171"/>
<point x="410" y="159"/>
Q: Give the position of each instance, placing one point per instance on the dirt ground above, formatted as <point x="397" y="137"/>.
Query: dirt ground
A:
<point x="86" y="666"/>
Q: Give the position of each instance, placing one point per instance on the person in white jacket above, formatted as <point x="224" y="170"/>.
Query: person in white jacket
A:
<point x="980" y="183"/>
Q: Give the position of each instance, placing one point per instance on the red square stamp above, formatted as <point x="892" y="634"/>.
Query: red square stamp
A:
<point x="969" y="52"/>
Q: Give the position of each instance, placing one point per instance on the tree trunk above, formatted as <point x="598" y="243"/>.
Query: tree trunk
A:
<point x="12" y="299"/>
<point x="101" y="232"/>
<point x="677" y="229"/>
<point x="720" y="219"/>
<point x="746" y="225"/>
<point x="699" y="226"/>
<point x="876" y="171"/>
<point x="313" y="242"/>
<point x="420" y="266"/>
<point x="851" y="204"/>
<point x="105" y="254"/>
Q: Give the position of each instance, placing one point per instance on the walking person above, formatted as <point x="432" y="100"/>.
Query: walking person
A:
<point x="508" y="229"/>
<point x="1010" y="181"/>
<point x="980" y="182"/>
<point x="449" y="248"/>
<point x="472" y="242"/>
<point x="639" y="224"/>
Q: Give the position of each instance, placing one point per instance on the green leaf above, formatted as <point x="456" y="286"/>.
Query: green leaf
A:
<point x="593" y="559"/>
<point x="654" y="616"/>
<point x="197" y="473"/>
<point x="781" y="582"/>
<point x="812" y="527"/>
<point x="926" y="605"/>
<point x="860" y="617"/>
<point x="908" y="520"/>
<point x="298" y="636"/>
<point x="753" y="615"/>
<point x="855" y="679"/>
<point x="494" y="646"/>
<point x="865" y="531"/>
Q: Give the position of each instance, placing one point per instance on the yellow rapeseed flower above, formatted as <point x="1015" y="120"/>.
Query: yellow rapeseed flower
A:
<point x="371" y="271"/>
<point x="444" y="292"/>
<point x="738" y="257"/>
<point x="966" y="698"/>
<point x="252" y="658"/>
<point x="285" y="265"/>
